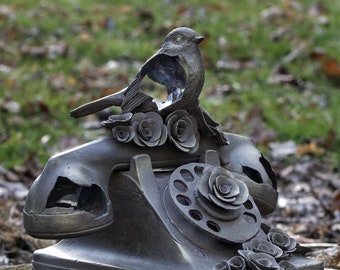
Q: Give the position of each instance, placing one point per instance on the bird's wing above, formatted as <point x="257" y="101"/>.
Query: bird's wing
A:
<point x="134" y="98"/>
<point x="161" y="68"/>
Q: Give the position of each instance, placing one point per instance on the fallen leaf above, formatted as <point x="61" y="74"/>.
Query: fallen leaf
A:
<point x="215" y="7"/>
<point x="310" y="148"/>
<point x="36" y="106"/>
<point x="84" y="37"/>
<point x="330" y="65"/>
<point x="123" y="9"/>
<point x="71" y="81"/>
<point x="335" y="203"/>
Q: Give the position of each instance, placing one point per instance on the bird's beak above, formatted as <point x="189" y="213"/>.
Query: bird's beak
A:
<point x="198" y="39"/>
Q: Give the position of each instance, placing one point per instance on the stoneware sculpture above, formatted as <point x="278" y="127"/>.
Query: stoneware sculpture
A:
<point x="166" y="190"/>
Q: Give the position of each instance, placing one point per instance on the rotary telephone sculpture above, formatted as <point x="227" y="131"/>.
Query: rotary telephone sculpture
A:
<point x="167" y="190"/>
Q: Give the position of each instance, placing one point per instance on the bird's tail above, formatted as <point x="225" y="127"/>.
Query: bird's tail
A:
<point x="115" y="99"/>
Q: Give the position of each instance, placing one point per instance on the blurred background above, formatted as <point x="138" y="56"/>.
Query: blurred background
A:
<point x="272" y="73"/>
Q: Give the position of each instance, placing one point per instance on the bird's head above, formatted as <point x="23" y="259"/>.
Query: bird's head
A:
<point x="179" y="41"/>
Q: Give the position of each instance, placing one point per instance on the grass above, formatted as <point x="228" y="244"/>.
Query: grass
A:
<point x="233" y="30"/>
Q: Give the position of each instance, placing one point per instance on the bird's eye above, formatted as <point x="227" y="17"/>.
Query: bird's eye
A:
<point x="178" y="39"/>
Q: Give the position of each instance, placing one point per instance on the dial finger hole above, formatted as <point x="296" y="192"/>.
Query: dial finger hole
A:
<point x="248" y="205"/>
<point x="195" y="214"/>
<point x="183" y="200"/>
<point x="250" y="218"/>
<point x="187" y="175"/>
<point x="198" y="170"/>
<point x="180" y="186"/>
<point x="213" y="226"/>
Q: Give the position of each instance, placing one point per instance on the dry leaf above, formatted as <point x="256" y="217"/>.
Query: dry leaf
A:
<point x="330" y="65"/>
<point x="123" y="9"/>
<point x="310" y="148"/>
<point x="84" y="36"/>
<point x="71" y="80"/>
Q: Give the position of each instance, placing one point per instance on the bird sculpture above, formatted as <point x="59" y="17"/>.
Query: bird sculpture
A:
<point x="165" y="68"/>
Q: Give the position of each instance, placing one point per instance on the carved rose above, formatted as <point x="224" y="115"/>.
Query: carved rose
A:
<point x="222" y="188"/>
<point x="183" y="131"/>
<point x="149" y="129"/>
<point x="237" y="263"/>
<point x="120" y="127"/>
<point x="234" y="263"/>
<point x="282" y="240"/>
<point x="286" y="265"/>
<point x="258" y="245"/>
<point x="223" y="265"/>
<point x="259" y="261"/>
<point x="123" y="134"/>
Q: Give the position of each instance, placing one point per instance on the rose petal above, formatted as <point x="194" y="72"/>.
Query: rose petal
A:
<point x="214" y="174"/>
<point x="197" y="145"/>
<point x="176" y="114"/>
<point x="237" y="263"/>
<point x="224" y="199"/>
<point x="117" y="120"/>
<point x="136" y="138"/>
<point x="218" y="202"/>
<point x="180" y="146"/>
<point x="286" y="265"/>
<point x="224" y="180"/>
<point x="190" y="142"/>
<point x="124" y="117"/>
<point x="155" y="116"/>
<point x="155" y="130"/>
<point x="223" y="265"/>
<point x="183" y="130"/>
<point x="263" y="260"/>
<point x="203" y="187"/>
<point x="137" y="117"/>
<point x="164" y="136"/>
<point x="244" y="193"/>
<point x="222" y="185"/>
<point x="194" y="124"/>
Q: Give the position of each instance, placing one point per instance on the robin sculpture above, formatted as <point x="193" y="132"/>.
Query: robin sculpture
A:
<point x="165" y="68"/>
